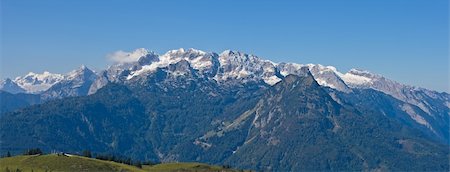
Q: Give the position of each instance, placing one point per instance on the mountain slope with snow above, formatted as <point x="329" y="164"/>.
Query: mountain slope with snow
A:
<point x="75" y="83"/>
<point x="232" y="107"/>
<point x="10" y="86"/>
<point x="231" y="66"/>
<point x="229" y="69"/>
<point x="233" y="69"/>
<point x="414" y="95"/>
<point x="37" y="83"/>
<point x="50" y="85"/>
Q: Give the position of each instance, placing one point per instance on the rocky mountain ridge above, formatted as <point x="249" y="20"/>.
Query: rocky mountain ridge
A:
<point x="230" y="70"/>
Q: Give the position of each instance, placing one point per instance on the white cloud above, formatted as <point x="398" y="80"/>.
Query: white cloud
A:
<point x="126" y="57"/>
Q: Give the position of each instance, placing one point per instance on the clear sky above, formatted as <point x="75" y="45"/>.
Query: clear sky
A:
<point x="405" y="40"/>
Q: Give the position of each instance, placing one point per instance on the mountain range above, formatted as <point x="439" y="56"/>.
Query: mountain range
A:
<point x="233" y="108"/>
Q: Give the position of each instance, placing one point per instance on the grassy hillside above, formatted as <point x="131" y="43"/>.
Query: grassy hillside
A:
<point x="61" y="163"/>
<point x="184" y="167"/>
<point x="53" y="162"/>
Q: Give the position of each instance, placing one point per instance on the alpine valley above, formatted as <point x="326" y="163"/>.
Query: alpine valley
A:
<point x="230" y="108"/>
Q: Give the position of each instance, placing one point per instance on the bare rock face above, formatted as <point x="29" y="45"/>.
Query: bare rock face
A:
<point x="76" y="83"/>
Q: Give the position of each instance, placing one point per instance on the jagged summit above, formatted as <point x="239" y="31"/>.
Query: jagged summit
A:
<point x="188" y="51"/>
<point x="224" y="67"/>
<point x="229" y="68"/>
<point x="36" y="83"/>
<point x="80" y="72"/>
<point x="75" y="83"/>
<point x="233" y="65"/>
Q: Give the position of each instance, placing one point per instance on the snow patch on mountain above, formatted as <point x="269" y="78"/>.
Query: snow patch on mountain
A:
<point x="322" y="82"/>
<point x="272" y="80"/>
<point x="409" y="94"/>
<point x="352" y="78"/>
<point x="328" y="76"/>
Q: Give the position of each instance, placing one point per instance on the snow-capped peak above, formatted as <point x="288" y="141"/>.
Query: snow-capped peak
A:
<point x="365" y="79"/>
<point x="182" y="51"/>
<point x="328" y="76"/>
<point x="80" y="72"/>
<point x="245" y="67"/>
<point x="229" y="53"/>
<point x="75" y="83"/>
<point x="240" y="67"/>
<point x="35" y="83"/>
<point x="237" y="65"/>
<point x="198" y="59"/>
<point x="43" y="76"/>
<point x="38" y="83"/>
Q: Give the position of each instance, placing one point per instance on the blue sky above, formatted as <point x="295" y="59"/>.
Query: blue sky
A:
<point x="405" y="40"/>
